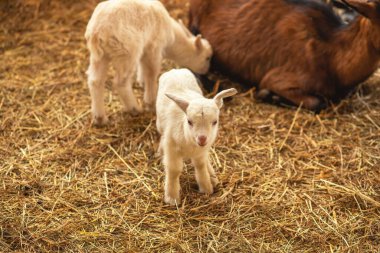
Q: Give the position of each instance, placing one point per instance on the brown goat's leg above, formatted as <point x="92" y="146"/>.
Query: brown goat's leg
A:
<point x="268" y="96"/>
<point x="290" y="87"/>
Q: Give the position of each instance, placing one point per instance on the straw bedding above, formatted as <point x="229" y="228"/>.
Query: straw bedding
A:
<point x="291" y="181"/>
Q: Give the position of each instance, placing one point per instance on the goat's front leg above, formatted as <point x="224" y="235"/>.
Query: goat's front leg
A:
<point x="97" y="72"/>
<point x="290" y="86"/>
<point x="211" y="171"/>
<point x="173" y="169"/>
<point x="160" y="149"/>
<point x="202" y="174"/>
<point x="139" y="76"/>
<point x="150" y="65"/>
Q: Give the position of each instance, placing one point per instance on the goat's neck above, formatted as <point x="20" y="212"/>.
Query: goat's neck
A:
<point x="356" y="52"/>
<point x="180" y="45"/>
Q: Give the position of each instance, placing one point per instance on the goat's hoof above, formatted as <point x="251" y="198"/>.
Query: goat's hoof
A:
<point x="208" y="189"/>
<point x="134" y="111"/>
<point x="140" y="83"/>
<point x="315" y="104"/>
<point x="276" y="99"/>
<point x="100" y="120"/>
<point x="158" y="154"/>
<point x="214" y="181"/>
<point x="149" y="107"/>
<point x="263" y="94"/>
<point x="172" y="201"/>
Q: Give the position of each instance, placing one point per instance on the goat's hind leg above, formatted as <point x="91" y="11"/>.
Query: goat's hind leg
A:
<point x="97" y="72"/>
<point x="124" y="70"/>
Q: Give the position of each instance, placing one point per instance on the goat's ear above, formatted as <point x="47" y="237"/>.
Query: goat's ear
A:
<point x="223" y="94"/>
<point x="198" y="42"/>
<point x="184" y="28"/>
<point x="182" y="103"/>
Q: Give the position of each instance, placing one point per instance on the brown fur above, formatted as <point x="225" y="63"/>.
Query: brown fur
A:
<point x="297" y="49"/>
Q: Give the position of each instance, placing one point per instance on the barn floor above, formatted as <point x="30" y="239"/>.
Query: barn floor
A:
<point x="291" y="181"/>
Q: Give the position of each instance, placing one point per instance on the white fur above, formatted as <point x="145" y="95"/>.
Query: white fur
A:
<point x="179" y="103"/>
<point x="131" y="33"/>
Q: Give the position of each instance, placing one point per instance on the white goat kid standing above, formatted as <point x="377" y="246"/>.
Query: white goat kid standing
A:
<point x="188" y="124"/>
<point x="131" y="33"/>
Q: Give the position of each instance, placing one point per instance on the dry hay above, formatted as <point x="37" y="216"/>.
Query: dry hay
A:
<point x="291" y="181"/>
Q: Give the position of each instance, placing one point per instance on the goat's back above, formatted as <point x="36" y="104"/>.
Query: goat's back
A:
<point x="124" y="23"/>
<point x="250" y="37"/>
<point x="179" y="82"/>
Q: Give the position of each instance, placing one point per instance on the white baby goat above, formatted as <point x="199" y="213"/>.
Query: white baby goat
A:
<point x="128" y="33"/>
<point x="188" y="124"/>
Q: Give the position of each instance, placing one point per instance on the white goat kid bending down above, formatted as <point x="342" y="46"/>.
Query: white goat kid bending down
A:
<point x="131" y="33"/>
<point x="188" y="124"/>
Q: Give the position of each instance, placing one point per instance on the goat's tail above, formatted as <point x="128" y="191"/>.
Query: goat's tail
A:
<point x="93" y="44"/>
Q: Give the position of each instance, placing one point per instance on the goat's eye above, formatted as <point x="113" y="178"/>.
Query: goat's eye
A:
<point x="208" y="58"/>
<point x="190" y="122"/>
<point x="214" y="123"/>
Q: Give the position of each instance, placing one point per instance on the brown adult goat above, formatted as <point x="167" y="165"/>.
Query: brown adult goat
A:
<point x="297" y="49"/>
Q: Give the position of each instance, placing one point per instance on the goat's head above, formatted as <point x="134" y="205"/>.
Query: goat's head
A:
<point x="202" y="116"/>
<point x="198" y="59"/>
<point x="368" y="8"/>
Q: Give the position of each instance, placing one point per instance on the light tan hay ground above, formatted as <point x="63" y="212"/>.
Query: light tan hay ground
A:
<point x="291" y="181"/>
